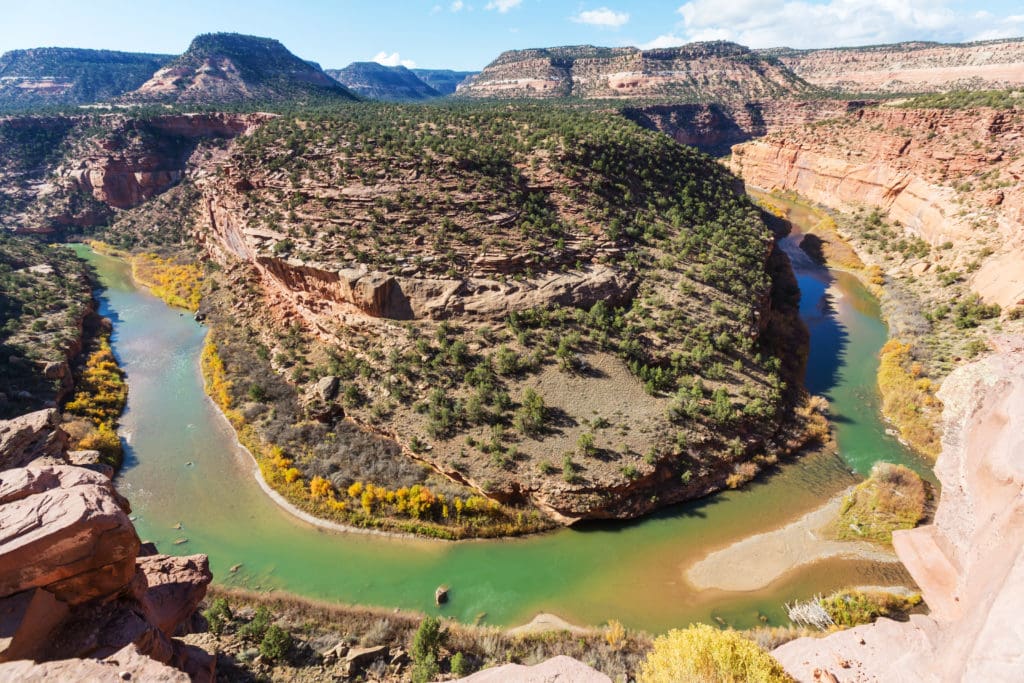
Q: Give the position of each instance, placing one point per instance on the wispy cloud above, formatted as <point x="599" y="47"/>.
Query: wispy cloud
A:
<point x="804" y="24"/>
<point x="602" y="17"/>
<point x="457" y="6"/>
<point x="393" y="59"/>
<point x="503" y="5"/>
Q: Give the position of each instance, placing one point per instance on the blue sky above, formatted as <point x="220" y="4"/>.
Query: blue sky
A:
<point x="466" y="34"/>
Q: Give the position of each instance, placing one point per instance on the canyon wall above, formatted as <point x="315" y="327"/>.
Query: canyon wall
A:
<point x="914" y="67"/>
<point x="715" y="127"/>
<point x="969" y="563"/>
<point x="946" y="176"/>
<point x="697" y="72"/>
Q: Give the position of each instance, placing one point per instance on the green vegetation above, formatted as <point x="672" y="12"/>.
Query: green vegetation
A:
<point x="965" y="99"/>
<point x="426" y="646"/>
<point x="262" y="70"/>
<point x="92" y="75"/>
<point x="893" y="497"/>
<point x="45" y="294"/>
<point x="541" y="193"/>
<point x="218" y="616"/>
<point x="705" y="654"/>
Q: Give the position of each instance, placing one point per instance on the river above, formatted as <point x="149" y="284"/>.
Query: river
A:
<point x="183" y="467"/>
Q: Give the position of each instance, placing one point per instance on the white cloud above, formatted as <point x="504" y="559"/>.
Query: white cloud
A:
<point x="457" y="6"/>
<point x="804" y="24"/>
<point x="436" y="9"/>
<point x="602" y="17"/>
<point x="503" y="5"/>
<point x="393" y="59"/>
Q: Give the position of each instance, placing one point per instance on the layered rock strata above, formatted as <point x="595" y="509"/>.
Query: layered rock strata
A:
<point x="697" y="72"/>
<point x="910" y="67"/>
<point x="969" y="563"/>
<point x="944" y="175"/>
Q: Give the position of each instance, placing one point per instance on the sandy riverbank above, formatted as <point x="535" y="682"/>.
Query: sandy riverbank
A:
<point x="756" y="562"/>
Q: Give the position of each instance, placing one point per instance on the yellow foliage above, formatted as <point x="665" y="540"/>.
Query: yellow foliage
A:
<point x="320" y="487"/>
<point x="907" y="398"/>
<point x="101" y="392"/>
<point x="355" y="490"/>
<point x="218" y="386"/>
<point x="291" y="474"/>
<point x="704" y="654"/>
<point x="105" y="440"/>
<point x="615" y="634"/>
<point x="177" y="284"/>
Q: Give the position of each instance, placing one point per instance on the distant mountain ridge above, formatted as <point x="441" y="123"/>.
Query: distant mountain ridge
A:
<point x="230" y="68"/>
<point x="697" y="72"/>
<point x="443" y="81"/>
<point x="910" y="67"/>
<point x="59" y="76"/>
<point x="380" y="82"/>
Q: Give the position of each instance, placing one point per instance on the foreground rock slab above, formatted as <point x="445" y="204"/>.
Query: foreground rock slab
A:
<point x="561" y="669"/>
<point x="969" y="564"/>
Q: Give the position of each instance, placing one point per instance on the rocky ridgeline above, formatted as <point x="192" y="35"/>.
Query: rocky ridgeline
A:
<point x="945" y="175"/>
<point x="698" y="72"/>
<point x="969" y="563"/>
<point x="915" y="67"/>
<point x="379" y="82"/>
<point x="80" y="595"/>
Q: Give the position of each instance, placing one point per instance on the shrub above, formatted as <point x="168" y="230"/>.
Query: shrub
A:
<point x="218" y="616"/>
<point x="256" y="629"/>
<point x="585" y="444"/>
<point x="893" y="497"/>
<point x="461" y="665"/>
<point x="425" y="647"/>
<point x="529" y="419"/>
<point x="275" y="644"/>
<point x="704" y="654"/>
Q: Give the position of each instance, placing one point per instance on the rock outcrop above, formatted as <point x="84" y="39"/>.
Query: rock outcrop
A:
<point x="716" y="127"/>
<point x="698" y="72"/>
<point x="944" y="175"/>
<point x="969" y="563"/>
<point x="910" y="67"/>
<point x="72" y="584"/>
<point x="561" y="668"/>
<point x="29" y="437"/>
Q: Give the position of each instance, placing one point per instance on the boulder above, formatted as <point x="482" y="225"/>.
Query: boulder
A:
<point x="176" y="586"/>
<point x="127" y="664"/>
<point x="30" y="437"/>
<point x="91" y="460"/>
<point x="561" y="668"/>
<point x="327" y="387"/>
<point x="26" y="621"/>
<point x="361" y="657"/>
<point x="66" y="529"/>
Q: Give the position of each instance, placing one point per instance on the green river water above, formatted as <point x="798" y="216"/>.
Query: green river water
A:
<point x="183" y="466"/>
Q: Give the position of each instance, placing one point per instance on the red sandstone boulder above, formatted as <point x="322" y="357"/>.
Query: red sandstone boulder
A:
<point x="66" y="529"/>
<point x="176" y="587"/>
<point x="125" y="664"/>
<point x="29" y="437"/>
